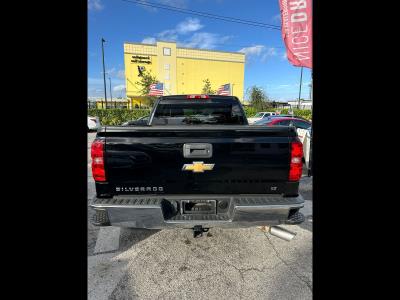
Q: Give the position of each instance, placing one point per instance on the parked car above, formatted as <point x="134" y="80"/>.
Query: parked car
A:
<point x="185" y="169"/>
<point x="286" y="121"/>
<point x="93" y="123"/>
<point x="266" y="120"/>
<point x="139" y="122"/>
<point x="261" y="115"/>
<point x="303" y="128"/>
<point x="307" y="149"/>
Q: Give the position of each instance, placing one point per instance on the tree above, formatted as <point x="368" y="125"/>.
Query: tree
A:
<point x="207" y="88"/>
<point x="146" y="79"/>
<point x="258" y="98"/>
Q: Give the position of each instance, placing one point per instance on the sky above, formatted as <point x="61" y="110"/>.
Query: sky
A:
<point x="266" y="66"/>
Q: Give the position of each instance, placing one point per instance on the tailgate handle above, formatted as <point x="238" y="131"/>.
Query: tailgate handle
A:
<point x="197" y="150"/>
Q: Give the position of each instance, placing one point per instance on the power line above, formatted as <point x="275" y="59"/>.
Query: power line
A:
<point x="205" y="14"/>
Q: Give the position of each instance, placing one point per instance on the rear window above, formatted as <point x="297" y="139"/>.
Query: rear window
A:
<point x="301" y="124"/>
<point x="205" y="113"/>
<point x="283" y="123"/>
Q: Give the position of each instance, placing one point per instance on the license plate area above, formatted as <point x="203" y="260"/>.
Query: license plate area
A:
<point x="198" y="207"/>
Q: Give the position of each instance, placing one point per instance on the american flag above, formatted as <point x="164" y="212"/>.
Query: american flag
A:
<point x="156" y="89"/>
<point x="224" y="89"/>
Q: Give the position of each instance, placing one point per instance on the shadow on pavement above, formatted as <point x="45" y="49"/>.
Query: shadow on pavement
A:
<point x="131" y="236"/>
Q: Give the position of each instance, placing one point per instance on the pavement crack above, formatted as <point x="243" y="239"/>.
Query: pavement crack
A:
<point x="300" y="277"/>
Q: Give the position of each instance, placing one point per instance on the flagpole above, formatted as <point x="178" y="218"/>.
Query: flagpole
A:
<point x="301" y="77"/>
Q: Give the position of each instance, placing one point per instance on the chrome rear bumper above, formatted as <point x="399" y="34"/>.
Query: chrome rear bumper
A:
<point x="157" y="212"/>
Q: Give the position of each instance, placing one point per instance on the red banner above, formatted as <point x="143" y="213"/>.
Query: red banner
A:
<point x="296" y="16"/>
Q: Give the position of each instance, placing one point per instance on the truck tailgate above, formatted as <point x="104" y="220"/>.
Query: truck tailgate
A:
<point x="150" y="160"/>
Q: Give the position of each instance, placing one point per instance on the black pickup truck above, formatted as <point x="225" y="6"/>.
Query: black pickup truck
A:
<point x="197" y="163"/>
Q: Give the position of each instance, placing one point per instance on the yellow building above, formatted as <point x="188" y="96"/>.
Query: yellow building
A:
<point x="182" y="70"/>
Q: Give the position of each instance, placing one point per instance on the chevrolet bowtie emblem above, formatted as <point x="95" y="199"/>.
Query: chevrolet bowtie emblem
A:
<point x="198" y="167"/>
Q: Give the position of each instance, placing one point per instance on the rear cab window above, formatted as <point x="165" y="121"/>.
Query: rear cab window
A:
<point x="212" y="111"/>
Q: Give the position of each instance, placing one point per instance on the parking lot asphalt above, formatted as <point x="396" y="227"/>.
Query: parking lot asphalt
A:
<point x="224" y="264"/>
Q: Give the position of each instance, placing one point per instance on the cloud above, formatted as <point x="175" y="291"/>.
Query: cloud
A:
<point x="168" y="35"/>
<point x="189" y="25"/>
<point x="253" y="50"/>
<point x="276" y="19"/>
<point x="119" y="88"/>
<point x="94" y="81"/>
<point x="202" y="40"/>
<point x="284" y="56"/>
<point x="268" y="53"/>
<point x="113" y="72"/>
<point x="258" y="51"/>
<point x="149" y="40"/>
<point x="146" y="7"/>
<point x="121" y="74"/>
<point x="176" y="3"/>
<point x="95" y="5"/>
<point x="205" y="40"/>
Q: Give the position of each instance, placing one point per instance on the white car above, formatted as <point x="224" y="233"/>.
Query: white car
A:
<point x="306" y="138"/>
<point x="260" y="115"/>
<point x="93" y="123"/>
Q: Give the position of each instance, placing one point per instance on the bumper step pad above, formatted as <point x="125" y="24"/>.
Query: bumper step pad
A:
<point x="100" y="218"/>
<point x="295" y="218"/>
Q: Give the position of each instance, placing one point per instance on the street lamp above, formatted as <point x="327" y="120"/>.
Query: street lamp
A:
<point x="301" y="77"/>
<point x="104" y="71"/>
<point x="110" y="88"/>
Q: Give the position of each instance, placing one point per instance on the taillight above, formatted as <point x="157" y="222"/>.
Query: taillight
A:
<point x="197" y="97"/>
<point x="97" y="152"/>
<point x="296" y="161"/>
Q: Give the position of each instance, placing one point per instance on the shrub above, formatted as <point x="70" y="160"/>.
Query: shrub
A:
<point x="250" y="111"/>
<point x="117" y="116"/>
<point x="303" y="113"/>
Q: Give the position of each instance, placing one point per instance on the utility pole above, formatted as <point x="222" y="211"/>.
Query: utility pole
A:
<point x="104" y="71"/>
<point x="301" y="78"/>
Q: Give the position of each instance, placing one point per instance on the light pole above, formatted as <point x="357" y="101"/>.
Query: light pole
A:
<point x="110" y="88"/>
<point x="104" y="71"/>
<point x="301" y="77"/>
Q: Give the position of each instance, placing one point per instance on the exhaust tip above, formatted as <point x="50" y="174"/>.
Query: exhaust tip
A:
<point x="282" y="233"/>
<point x="278" y="232"/>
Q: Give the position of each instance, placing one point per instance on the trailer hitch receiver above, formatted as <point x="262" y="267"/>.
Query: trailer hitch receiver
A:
<point x="198" y="231"/>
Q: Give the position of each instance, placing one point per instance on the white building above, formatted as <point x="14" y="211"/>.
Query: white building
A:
<point x="304" y="104"/>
